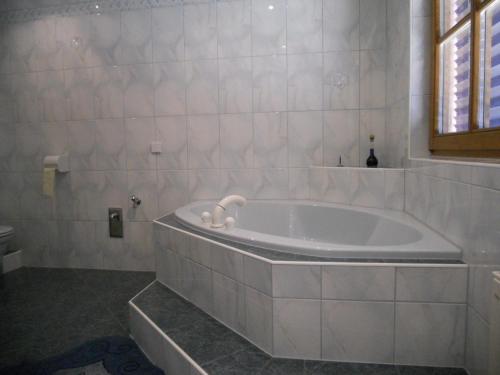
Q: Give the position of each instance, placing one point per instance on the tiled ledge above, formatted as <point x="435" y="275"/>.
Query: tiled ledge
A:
<point x="384" y="313"/>
<point x="183" y="340"/>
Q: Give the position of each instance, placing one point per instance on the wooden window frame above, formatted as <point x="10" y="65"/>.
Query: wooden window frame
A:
<point x="477" y="142"/>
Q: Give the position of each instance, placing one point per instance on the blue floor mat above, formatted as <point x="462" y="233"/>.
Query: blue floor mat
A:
<point x="107" y="355"/>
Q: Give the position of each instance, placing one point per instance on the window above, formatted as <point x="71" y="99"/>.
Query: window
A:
<point x="467" y="78"/>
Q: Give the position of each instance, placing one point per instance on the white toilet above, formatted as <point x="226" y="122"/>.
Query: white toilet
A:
<point x="6" y="234"/>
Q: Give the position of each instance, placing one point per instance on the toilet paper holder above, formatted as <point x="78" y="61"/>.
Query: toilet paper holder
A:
<point x="59" y="162"/>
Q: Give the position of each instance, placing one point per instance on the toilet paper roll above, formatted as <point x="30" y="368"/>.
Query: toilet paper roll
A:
<point x="49" y="175"/>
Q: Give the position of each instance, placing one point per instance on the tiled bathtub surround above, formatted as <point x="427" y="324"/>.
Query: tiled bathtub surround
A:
<point x="462" y="202"/>
<point x="383" y="313"/>
<point x="243" y="98"/>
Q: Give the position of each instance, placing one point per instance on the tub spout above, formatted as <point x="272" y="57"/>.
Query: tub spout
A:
<point x="222" y="205"/>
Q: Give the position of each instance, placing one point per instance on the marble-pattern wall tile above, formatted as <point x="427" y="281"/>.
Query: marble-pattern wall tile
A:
<point x="106" y="30"/>
<point x="421" y="67"/>
<point x="196" y="284"/>
<point x="7" y="147"/>
<point x="298" y="183"/>
<point x="28" y="147"/>
<point x="227" y="262"/>
<point x="200" y="31"/>
<point x="258" y="274"/>
<point x="143" y="184"/>
<point x="236" y="141"/>
<point x="358" y="331"/>
<point x="305" y="74"/>
<point x="270" y="132"/>
<point x="269" y="83"/>
<point x="36" y="248"/>
<point x="305" y="138"/>
<point x="358" y="283"/>
<point x="85" y="190"/>
<point x="172" y="190"/>
<point x="83" y="253"/>
<point x="268" y="27"/>
<point x="168" y="33"/>
<point x="372" y="29"/>
<point x="235" y="85"/>
<point x="341" y="24"/>
<point x="23" y="43"/>
<point x="138" y="95"/>
<point x="170" y="89"/>
<point x="229" y="302"/>
<point x="168" y="265"/>
<point x="136" y="40"/>
<point x="79" y="94"/>
<point x="259" y="319"/>
<point x="139" y="250"/>
<point x="172" y="133"/>
<point x="304" y="26"/>
<point x="372" y="79"/>
<point x="203" y="141"/>
<point x="51" y="94"/>
<point x="25" y="94"/>
<point x="198" y="250"/>
<point x="138" y="134"/>
<point x="83" y="151"/>
<point x="478" y="345"/>
<point x="108" y="92"/>
<point x="394" y="189"/>
<point x="297" y="328"/>
<point x="341" y="138"/>
<point x="234" y="28"/>
<point x="34" y="205"/>
<point x="341" y="80"/>
<point x="202" y="87"/>
<point x="431" y="285"/>
<point x="73" y="35"/>
<point x="296" y="281"/>
<point x="479" y="289"/>
<point x="434" y="336"/>
<point x="238" y="181"/>
<point x="330" y="185"/>
<point x="368" y="188"/>
<point x="271" y="183"/>
<point x="204" y="184"/>
<point x="110" y="145"/>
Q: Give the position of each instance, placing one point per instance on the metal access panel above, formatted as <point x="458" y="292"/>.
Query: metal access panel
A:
<point x="115" y="217"/>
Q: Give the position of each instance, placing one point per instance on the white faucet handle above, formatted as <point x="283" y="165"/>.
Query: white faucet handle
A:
<point x="206" y="217"/>
<point x="229" y="223"/>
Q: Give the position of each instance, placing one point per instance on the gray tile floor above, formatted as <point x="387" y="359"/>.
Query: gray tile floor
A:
<point x="44" y="312"/>
<point x="220" y="351"/>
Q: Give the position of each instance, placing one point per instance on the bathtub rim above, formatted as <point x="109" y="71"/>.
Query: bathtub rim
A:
<point x="431" y="246"/>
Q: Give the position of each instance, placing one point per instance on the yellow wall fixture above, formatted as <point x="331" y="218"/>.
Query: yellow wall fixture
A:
<point x="51" y="164"/>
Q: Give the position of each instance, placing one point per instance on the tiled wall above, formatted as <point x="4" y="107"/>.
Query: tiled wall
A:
<point x="243" y="98"/>
<point x="404" y="314"/>
<point x="398" y="72"/>
<point x="459" y="200"/>
<point x="462" y="202"/>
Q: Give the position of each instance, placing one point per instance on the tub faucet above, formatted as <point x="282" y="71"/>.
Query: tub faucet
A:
<point x="222" y="205"/>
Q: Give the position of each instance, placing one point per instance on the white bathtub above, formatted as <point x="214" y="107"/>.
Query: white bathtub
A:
<point x="325" y="230"/>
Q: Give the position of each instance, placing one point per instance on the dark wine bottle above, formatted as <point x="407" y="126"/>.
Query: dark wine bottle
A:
<point x="372" y="161"/>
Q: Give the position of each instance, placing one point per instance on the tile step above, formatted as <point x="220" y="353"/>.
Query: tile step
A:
<point x="184" y="340"/>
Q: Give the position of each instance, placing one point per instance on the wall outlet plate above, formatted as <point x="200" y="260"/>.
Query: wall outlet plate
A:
<point x="156" y="147"/>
